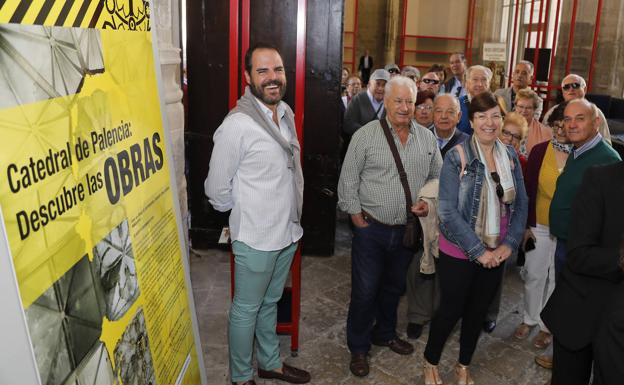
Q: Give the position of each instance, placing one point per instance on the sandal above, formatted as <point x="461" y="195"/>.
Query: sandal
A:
<point x="431" y="374"/>
<point x="542" y="340"/>
<point x="522" y="331"/>
<point x="463" y="375"/>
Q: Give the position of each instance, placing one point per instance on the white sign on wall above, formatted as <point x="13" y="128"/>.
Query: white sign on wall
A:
<point x="494" y="52"/>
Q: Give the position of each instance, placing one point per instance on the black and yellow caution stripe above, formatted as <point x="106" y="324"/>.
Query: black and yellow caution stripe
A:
<point x="72" y="13"/>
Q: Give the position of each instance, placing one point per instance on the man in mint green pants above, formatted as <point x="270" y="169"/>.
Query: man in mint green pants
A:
<point x="255" y="171"/>
<point x="260" y="278"/>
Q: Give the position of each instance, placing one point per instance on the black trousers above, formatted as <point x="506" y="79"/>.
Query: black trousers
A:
<point x="571" y="367"/>
<point x="466" y="291"/>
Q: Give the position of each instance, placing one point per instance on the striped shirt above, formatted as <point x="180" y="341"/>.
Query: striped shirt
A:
<point x="249" y="175"/>
<point x="587" y="146"/>
<point x="369" y="179"/>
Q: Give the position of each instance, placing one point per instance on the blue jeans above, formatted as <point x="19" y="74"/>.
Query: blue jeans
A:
<point x="259" y="283"/>
<point x="379" y="263"/>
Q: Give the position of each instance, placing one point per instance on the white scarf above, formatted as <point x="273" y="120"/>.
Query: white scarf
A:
<point x="488" y="225"/>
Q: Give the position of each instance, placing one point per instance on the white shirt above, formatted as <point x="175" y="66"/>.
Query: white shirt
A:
<point x="456" y="85"/>
<point x="443" y="141"/>
<point x="377" y="106"/>
<point x="249" y="175"/>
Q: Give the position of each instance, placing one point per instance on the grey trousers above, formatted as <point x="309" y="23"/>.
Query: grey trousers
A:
<point x="423" y="293"/>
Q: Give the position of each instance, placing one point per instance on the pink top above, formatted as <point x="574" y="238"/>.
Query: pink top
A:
<point x="537" y="133"/>
<point x="449" y="248"/>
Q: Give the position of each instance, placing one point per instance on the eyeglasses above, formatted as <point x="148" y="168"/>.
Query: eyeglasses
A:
<point x="509" y="133"/>
<point x="574" y="86"/>
<point x="481" y="117"/>
<point x="431" y="81"/>
<point x="424" y="107"/>
<point x="499" y="189"/>
<point x="393" y="71"/>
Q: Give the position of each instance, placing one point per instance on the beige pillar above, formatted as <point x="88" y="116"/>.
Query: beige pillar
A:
<point x="393" y="30"/>
<point x="167" y="26"/>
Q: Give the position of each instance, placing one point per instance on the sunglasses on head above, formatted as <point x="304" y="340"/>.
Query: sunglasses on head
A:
<point x="499" y="189"/>
<point x="431" y="81"/>
<point x="393" y="71"/>
<point x="574" y="86"/>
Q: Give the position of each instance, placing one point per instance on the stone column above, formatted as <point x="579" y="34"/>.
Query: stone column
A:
<point x="393" y="28"/>
<point x="608" y="74"/>
<point x="167" y="27"/>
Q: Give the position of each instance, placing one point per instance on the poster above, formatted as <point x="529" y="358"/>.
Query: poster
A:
<point x="86" y="196"/>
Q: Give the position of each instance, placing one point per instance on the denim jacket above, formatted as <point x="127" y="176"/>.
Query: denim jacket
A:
<point x="459" y="201"/>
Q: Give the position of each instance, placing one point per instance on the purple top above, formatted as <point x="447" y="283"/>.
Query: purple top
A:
<point x="449" y="248"/>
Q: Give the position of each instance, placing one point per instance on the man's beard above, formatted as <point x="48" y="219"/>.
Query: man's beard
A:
<point x="256" y="91"/>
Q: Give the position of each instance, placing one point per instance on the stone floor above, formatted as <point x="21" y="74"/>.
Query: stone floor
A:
<point x="499" y="359"/>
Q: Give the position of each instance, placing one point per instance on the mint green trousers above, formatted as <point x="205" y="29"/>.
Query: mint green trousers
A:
<point x="259" y="282"/>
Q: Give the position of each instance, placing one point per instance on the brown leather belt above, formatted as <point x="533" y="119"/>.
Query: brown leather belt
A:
<point x="370" y="219"/>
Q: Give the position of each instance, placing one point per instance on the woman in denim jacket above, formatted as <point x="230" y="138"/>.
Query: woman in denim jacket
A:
<point x="483" y="212"/>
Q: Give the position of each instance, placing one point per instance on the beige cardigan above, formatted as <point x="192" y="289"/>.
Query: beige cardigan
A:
<point x="429" y="194"/>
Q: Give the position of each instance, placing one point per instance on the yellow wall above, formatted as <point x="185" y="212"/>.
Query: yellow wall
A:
<point x="348" y="39"/>
<point x="431" y="18"/>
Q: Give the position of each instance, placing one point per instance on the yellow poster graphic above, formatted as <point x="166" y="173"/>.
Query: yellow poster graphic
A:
<point x="86" y="195"/>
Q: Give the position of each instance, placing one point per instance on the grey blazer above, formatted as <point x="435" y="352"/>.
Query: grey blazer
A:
<point x="359" y="112"/>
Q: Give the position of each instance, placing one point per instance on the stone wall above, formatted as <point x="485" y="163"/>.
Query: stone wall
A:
<point x="167" y="26"/>
<point x="371" y="30"/>
<point x="608" y="77"/>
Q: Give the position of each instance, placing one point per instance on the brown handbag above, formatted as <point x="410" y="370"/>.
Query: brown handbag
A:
<point x="413" y="237"/>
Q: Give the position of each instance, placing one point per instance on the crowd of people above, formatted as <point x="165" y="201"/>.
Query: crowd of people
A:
<point x="508" y="184"/>
<point x="444" y="182"/>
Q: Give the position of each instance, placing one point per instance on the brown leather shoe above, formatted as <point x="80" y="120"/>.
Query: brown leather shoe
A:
<point x="289" y="374"/>
<point x="397" y="345"/>
<point x="542" y="340"/>
<point x="545" y="361"/>
<point x="359" y="364"/>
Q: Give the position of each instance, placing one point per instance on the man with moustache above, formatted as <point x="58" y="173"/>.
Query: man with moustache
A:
<point x="370" y="190"/>
<point x="255" y="172"/>
<point x="423" y="289"/>
<point x="522" y="77"/>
